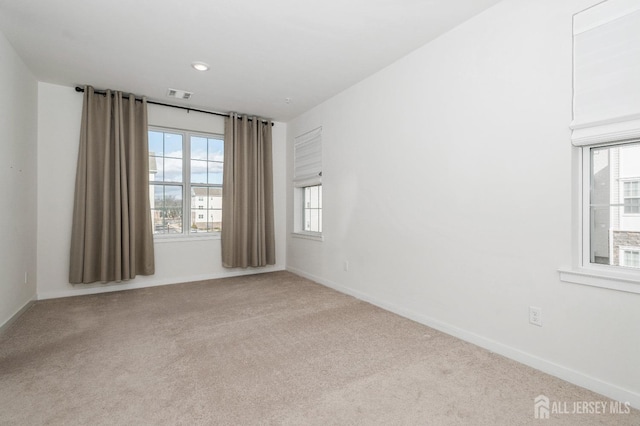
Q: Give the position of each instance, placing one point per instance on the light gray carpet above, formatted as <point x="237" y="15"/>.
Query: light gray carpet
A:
<point x="265" y="349"/>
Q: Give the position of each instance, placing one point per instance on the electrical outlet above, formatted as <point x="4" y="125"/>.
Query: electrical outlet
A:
<point x="346" y="266"/>
<point x="535" y="316"/>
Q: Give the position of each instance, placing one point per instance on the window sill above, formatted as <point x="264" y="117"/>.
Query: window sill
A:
<point x="184" y="238"/>
<point x="619" y="281"/>
<point x="314" y="236"/>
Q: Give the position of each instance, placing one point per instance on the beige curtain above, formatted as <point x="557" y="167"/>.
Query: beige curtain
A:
<point x="247" y="194"/>
<point x="112" y="239"/>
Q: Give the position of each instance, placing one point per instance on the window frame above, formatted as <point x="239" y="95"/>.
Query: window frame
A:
<point x="298" y="215"/>
<point x="583" y="271"/>
<point x="186" y="185"/>
<point x="585" y="220"/>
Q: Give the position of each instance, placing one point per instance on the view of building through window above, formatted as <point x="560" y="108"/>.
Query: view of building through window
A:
<point x="184" y="163"/>
<point x="615" y="205"/>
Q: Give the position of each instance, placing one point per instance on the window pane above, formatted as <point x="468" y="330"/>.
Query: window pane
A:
<point x="631" y="258"/>
<point x="215" y="198"/>
<point x="198" y="148"/>
<point x="172" y="145"/>
<point x="172" y="170"/>
<point x="632" y="205"/>
<point x="173" y="209"/>
<point x="314" y="217"/>
<point x="156" y="145"/>
<point x="216" y="150"/>
<point x="166" y="209"/>
<point x="215" y="172"/>
<point x="215" y="220"/>
<point x="198" y="171"/>
<point x="157" y="201"/>
<point x="312" y="208"/>
<point x="199" y="197"/>
<point x="307" y="196"/>
<point x="156" y="168"/>
<point x="206" y="203"/>
<point x="313" y="197"/>
<point x="614" y="223"/>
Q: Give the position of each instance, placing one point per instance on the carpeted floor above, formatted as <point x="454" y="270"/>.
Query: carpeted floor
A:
<point x="264" y="349"/>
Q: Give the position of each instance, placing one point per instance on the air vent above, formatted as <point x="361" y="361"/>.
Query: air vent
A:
<point x="179" y="94"/>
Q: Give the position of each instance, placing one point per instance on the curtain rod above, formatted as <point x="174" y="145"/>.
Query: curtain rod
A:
<point x="221" y="114"/>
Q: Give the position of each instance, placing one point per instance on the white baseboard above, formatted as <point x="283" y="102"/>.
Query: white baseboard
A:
<point x="609" y="390"/>
<point x="16" y="315"/>
<point x="85" y="289"/>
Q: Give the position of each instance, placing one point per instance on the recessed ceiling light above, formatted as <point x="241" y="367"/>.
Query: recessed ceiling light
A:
<point x="200" y="66"/>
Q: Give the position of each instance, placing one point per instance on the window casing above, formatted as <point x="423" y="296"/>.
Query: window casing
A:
<point x="606" y="134"/>
<point x="185" y="182"/>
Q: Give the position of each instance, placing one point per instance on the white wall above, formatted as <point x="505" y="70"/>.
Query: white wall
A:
<point x="59" y="110"/>
<point x="18" y="137"/>
<point x="447" y="184"/>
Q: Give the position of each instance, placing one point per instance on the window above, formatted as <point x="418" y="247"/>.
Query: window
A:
<point x="312" y="210"/>
<point x="185" y="163"/>
<point x="632" y="197"/>
<point x="630" y="257"/>
<point x="613" y="202"/>
<point x="307" y="182"/>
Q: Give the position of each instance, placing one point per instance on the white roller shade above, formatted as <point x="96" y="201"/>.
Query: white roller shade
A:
<point x="606" y="73"/>
<point x="307" y="164"/>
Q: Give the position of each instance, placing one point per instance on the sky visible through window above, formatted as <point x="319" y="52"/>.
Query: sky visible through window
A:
<point x="207" y="155"/>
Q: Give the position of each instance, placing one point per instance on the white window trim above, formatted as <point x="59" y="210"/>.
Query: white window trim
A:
<point x="185" y="235"/>
<point x="595" y="125"/>
<point x="584" y="272"/>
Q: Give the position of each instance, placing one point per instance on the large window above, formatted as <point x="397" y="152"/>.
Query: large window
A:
<point x="185" y="179"/>
<point x="614" y="224"/>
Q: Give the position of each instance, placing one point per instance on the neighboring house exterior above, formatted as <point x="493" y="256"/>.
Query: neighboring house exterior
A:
<point x="206" y="209"/>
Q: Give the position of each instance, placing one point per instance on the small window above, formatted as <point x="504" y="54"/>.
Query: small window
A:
<point x="312" y="210"/>
<point x="632" y="197"/>
<point x="630" y="258"/>
<point x="307" y="183"/>
<point x="614" y="205"/>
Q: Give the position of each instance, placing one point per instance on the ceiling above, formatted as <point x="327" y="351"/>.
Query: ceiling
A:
<point x="260" y="52"/>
